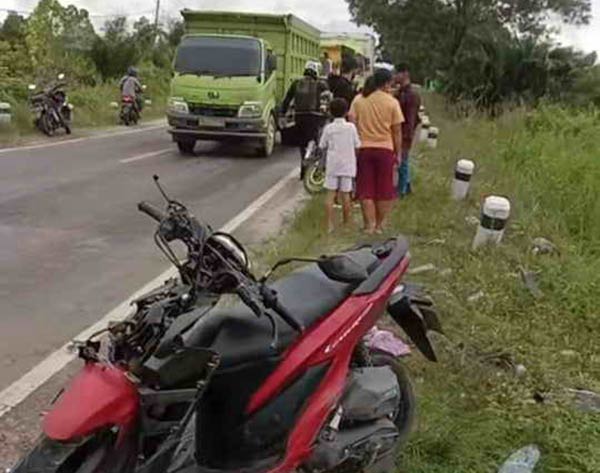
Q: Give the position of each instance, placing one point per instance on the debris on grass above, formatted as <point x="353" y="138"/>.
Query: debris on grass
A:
<point x="522" y="461"/>
<point x="530" y="280"/>
<point x="543" y="246"/>
<point x="436" y="241"/>
<point x="472" y="220"/>
<point x="426" y="268"/>
<point x="384" y="340"/>
<point x="585" y="401"/>
<point x="476" y="297"/>
<point x="446" y="272"/>
<point x="520" y="370"/>
<point x="569" y="353"/>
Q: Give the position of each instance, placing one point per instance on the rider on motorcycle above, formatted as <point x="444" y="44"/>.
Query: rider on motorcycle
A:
<point x="306" y="94"/>
<point x="131" y="87"/>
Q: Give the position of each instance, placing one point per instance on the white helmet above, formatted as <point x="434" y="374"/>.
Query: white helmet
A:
<point x="312" y="66"/>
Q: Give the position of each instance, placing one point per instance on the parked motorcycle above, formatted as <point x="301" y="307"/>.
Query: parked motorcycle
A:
<point x="280" y="382"/>
<point x="130" y="112"/>
<point x="314" y="162"/>
<point x="51" y="107"/>
<point x="315" y="159"/>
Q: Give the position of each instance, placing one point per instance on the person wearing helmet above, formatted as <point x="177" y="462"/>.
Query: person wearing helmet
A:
<point x="306" y="93"/>
<point x="131" y="87"/>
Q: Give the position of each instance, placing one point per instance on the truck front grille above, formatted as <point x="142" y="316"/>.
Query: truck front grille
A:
<point x="211" y="111"/>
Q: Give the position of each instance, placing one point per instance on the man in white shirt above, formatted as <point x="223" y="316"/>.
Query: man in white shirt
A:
<point x="340" y="140"/>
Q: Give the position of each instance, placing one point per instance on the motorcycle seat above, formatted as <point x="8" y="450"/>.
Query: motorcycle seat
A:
<point x="307" y="293"/>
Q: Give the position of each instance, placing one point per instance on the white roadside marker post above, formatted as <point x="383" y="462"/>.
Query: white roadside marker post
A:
<point x="462" y="179"/>
<point x="494" y="215"/>
<point x="5" y="113"/>
<point x="424" y="132"/>
<point x="432" y="137"/>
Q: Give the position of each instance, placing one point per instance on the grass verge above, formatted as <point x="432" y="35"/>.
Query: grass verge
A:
<point x="474" y="409"/>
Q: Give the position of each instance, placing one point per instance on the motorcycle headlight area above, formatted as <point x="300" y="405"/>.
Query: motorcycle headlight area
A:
<point x="250" y="110"/>
<point x="177" y="105"/>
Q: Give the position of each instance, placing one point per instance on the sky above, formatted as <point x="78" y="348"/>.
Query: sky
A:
<point x="328" y="15"/>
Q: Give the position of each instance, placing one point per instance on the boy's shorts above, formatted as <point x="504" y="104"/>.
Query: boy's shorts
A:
<point x="339" y="183"/>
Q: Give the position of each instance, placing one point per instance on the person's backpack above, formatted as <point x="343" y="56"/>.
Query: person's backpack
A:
<point x="307" y="95"/>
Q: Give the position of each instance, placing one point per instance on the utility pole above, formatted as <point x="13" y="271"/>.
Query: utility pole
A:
<point x="156" y="15"/>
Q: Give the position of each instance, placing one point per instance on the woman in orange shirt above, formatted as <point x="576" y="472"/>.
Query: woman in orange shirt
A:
<point x="379" y="119"/>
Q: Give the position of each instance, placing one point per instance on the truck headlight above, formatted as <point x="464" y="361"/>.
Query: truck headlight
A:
<point x="250" y="110"/>
<point x="177" y="105"/>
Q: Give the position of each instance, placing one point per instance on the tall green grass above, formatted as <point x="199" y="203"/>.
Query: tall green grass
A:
<point x="474" y="412"/>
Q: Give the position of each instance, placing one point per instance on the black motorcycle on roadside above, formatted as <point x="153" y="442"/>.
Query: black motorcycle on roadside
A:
<point x="51" y="107"/>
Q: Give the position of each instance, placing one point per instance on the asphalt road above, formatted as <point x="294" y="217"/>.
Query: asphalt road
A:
<point x="72" y="243"/>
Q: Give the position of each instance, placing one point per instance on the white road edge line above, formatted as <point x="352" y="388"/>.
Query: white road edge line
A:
<point x="145" y="156"/>
<point x="18" y="391"/>
<point x="51" y="144"/>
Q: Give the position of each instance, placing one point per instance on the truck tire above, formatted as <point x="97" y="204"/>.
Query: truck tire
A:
<point x="268" y="143"/>
<point x="186" y="147"/>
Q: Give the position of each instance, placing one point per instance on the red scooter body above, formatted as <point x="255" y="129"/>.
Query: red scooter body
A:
<point x="102" y="396"/>
<point x="99" y="396"/>
<point x="332" y="341"/>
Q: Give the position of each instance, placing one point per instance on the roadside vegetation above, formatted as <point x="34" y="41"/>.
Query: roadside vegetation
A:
<point x="54" y="39"/>
<point x="490" y="55"/>
<point x="478" y="404"/>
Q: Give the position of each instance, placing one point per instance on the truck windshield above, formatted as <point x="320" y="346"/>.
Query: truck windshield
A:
<point x="222" y="57"/>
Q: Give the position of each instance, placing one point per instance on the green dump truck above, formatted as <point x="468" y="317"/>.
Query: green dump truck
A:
<point x="232" y="71"/>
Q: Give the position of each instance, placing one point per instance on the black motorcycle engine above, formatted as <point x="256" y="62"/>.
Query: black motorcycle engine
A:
<point x="362" y="434"/>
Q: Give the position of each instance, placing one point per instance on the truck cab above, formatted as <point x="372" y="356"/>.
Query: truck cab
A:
<point x="232" y="71"/>
<point x="223" y="88"/>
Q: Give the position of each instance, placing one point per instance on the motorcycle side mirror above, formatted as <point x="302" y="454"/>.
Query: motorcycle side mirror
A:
<point x="31" y="86"/>
<point x="344" y="269"/>
<point x="61" y="76"/>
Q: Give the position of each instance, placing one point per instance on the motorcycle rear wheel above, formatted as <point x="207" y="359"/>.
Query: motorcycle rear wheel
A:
<point x="46" y="125"/>
<point x="314" y="178"/>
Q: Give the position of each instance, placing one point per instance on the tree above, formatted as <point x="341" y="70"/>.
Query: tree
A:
<point x="44" y="30"/>
<point x="175" y="32"/>
<point x="78" y="33"/>
<point x="14" y="28"/>
<point x="484" y="51"/>
<point x="456" y="19"/>
<point x="59" y="39"/>
<point x="145" y="35"/>
<point x="14" y="57"/>
<point x="116" y="51"/>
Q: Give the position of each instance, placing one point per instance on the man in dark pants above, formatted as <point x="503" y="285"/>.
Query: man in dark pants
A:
<point x="306" y="94"/>
<point x="409" y="103"/>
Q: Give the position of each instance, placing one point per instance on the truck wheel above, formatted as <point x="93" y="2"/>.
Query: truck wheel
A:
<point x="268" y="143"/>
<point x="186" y="147"/>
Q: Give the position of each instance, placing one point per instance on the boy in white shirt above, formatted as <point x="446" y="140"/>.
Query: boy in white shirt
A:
<point x="340" y="139"/>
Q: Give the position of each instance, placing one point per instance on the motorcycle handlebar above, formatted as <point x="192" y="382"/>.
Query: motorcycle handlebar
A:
<point x="152" y="211"/>
<point x="288" y="318"/>
<point x="250" y="301"/>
